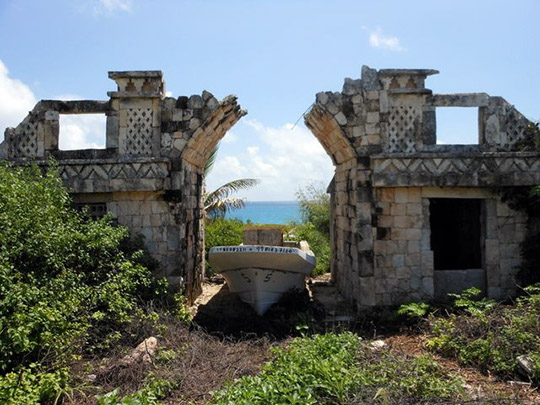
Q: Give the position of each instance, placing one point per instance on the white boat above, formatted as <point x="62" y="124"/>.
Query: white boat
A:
<point x="261" y="274"/>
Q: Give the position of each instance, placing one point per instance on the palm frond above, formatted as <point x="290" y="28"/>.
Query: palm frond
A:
<point x="220" y="207"/>
<point x="219" y="201"/>
<point x="227" y="189"/>
<point x="210" y="161"/>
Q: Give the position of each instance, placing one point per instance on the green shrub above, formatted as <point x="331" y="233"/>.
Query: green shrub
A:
<point x="340" y="369"/>
<point x="221" y="232"/>
<point x="319" y="244"/>
<point x="308" y="369"/>
<point x="66" y="284"/>
<point x="469" y="301"/>
<point x="315" y="226"/>
<point x="315" y="207"/>
<point x="490" y="336"/>
<point x="414" y="309"/>
<point x="154" y="389"/>
<point x="31" y="385"/>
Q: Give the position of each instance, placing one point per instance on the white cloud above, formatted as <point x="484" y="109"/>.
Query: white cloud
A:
<point x="16" y="100"/>
<point x="230" y="137"/>
<point x="377" y="39"/>
<point x="286" y="159"/>
<point x="252" y="150"/>
<point x="112" y="6"/>
<point x="82" y="131"/>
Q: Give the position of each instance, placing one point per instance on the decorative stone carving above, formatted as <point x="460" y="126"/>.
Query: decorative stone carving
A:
<point x="139" y="131"/>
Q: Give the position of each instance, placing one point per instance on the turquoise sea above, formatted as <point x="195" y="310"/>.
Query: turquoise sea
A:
<point x="268" y="212"/>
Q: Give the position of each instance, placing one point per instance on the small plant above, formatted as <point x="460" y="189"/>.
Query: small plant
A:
<point x="154" y="390"/>
<point x="469" y="301"/>
<point x="182" y="312"/>
<point x="414" y="310"/>
<point x="490" y="336"/>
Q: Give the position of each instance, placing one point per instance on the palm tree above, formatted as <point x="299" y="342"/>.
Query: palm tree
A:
<point x="218" y="202"/>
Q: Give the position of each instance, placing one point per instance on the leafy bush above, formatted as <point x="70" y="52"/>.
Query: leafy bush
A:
<point x="469" y="301"/>
<point x="154" y="389"/>
<point x="315" y="226"/>
<point x="490" y="336"/>
<point x="315" y="207"/>
<point x="339" y="369"/>
<point x="65" y="281"/>
<point x="221" y="232"/>
<point x="414" y="309"/>
<point x="319" y="244"/>
<point x="31" y="385"/>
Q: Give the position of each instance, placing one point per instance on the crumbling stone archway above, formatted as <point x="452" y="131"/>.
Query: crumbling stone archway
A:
<point x="382" y="247"/>
<point x="150" y="173"/>
<point x="380" y="133"/>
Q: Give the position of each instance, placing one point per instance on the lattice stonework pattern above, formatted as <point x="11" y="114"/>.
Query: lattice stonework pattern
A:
<point x="402" y="122"/>
<point x="139" y="131"/>
<point x="26" y="141"/>
<point x="515" y="129"/>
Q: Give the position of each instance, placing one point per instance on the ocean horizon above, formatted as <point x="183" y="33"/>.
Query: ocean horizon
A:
<point x="267" y="212"/>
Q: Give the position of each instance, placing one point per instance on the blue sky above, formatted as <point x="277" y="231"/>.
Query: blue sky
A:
<point x="275" y="55"/>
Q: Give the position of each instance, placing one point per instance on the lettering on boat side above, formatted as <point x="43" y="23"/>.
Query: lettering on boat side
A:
<point x="256" y="249"/>
<point x="268" y="277"/>
<point x="245" y="277"/>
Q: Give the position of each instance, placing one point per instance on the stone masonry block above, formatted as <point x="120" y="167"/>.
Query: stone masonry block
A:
<point x="400" y="221"/>
<point x="413" y="259"/>
<point x="402" y="195"/>
<point x="414" y="209"/>
<point x="427" y="259"/>
<point x="386" y="194"/>
<point x="367" y="291"/>
<point x="413" y="246"/>
<point x="398" y="209"/>
<point x="492" y="251"/>
<point x="428" y="286"/>
<point x="406" y="234"/>
<point x="398" y="260"/>
<point x="372" y="117"/>
<point x="403" y="273"/>
<point x="414" y="221"/>
<point x="385" y="221"/>
<point x="415" y="194"/>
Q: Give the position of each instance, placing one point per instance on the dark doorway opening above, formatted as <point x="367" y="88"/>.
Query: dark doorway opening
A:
<point x="456" y="233"/>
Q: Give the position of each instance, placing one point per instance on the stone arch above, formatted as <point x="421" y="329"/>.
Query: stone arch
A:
<point x="213" y="129"/>
<point x="329" y="128"/>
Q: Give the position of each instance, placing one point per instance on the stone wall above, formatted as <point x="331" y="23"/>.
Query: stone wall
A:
<point x="385" y="125"/>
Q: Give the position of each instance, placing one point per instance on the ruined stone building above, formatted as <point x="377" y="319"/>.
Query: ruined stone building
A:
<point x="411" y="219"/>
<point x="150" y="173"/>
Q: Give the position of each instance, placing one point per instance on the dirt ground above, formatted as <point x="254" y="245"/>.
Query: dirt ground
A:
<point x="227" y="340"/>
<point x="221" y="313"/>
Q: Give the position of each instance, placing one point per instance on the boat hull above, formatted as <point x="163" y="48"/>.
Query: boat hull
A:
<point x="260" y="275"/>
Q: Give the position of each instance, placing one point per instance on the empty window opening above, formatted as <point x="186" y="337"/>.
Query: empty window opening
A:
<point x="82" y="131"/>
<point x="455" y="233"/>
<point x="457" y="125"/>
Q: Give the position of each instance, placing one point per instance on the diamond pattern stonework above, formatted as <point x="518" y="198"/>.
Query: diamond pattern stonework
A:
<point x="139" y="131"/>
